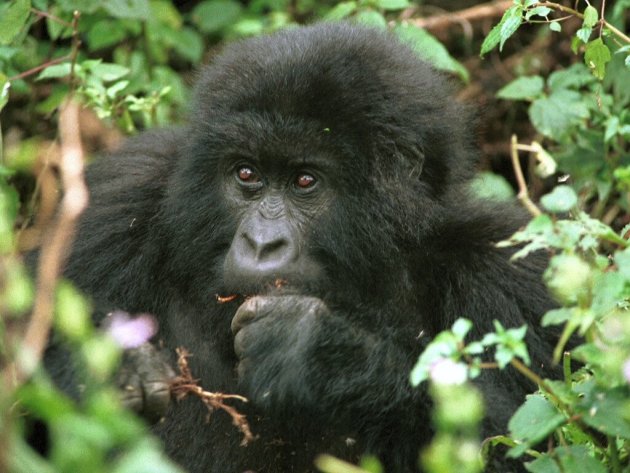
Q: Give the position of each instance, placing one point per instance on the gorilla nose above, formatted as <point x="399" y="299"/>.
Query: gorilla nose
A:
<point x="262" y="249"/>
<point x="267" y="250"/>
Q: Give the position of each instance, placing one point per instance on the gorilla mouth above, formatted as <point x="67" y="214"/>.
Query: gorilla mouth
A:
<point x="277" y="285"/>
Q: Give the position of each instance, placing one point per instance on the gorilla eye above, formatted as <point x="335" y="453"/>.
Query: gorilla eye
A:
<point x="305" y="181"/>
<point x="247" y="175"/>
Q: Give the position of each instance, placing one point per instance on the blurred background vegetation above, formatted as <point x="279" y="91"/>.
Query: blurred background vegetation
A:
<point x="552" y="89"/>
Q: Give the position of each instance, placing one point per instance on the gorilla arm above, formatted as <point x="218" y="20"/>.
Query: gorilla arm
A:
<point x="114" y="260"/>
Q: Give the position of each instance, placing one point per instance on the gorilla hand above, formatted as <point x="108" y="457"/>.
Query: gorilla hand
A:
<point x="274" y="337"/>
<point x="144" y="379"/>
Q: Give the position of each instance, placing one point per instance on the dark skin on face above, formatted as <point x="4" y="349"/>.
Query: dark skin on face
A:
<point x="277" y="203"/>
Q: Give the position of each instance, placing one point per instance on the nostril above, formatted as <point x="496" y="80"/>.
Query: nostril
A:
<point x="272" y="250"/>
<point x="251" y="242"/>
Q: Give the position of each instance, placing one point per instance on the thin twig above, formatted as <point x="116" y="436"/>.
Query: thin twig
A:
<point x="523" y="194"/>
<point x="185" y="384"/>
<point x="50" y="16"/>
<point x="36" y="69"/>
<point x="76" y="44"/>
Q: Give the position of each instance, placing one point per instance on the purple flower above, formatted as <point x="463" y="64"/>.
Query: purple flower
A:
<point x="130" y="332"/>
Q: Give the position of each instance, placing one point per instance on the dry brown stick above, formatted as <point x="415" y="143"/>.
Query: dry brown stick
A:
<point x="185" y="384"/>
<point x="478" y="12"/>
<point x="56" y="246"/>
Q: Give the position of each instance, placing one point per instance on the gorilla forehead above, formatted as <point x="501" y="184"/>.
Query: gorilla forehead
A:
<point x="338" y="74"/>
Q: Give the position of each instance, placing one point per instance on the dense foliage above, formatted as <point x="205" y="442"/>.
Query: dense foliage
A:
<point x="128" y="61"/>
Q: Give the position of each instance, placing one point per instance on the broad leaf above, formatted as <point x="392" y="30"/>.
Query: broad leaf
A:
<point x="523" y="88"/>
<point x="13" y="17"/>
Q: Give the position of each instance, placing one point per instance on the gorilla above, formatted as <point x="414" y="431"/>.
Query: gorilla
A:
<point x="304" y="235"/>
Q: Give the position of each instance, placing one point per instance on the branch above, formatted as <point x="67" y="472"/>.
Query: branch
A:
<point x="56" y="247"/>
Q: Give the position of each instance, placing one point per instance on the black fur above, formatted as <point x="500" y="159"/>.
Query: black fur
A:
<point x="399" y="247"/>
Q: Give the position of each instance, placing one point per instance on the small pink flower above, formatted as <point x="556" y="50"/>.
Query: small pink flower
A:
<point x="130" y="332"/>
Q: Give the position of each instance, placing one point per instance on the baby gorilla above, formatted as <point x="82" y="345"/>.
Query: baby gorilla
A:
<point x="322" y="184"/>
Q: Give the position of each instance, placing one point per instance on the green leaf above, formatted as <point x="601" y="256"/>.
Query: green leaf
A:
<point x="562" y="199"/>
<point x="488" y="185"/>
<point x="584" y="34"/>
<point x="23" y="459"/>
<point x="537" y="11"/>
<point x="596" y="56"/>
<point x="392" y="4"/>
<point x="108" y="72"/>
<point x="605" y="411"/>
<point x="189" y="44"/>
<point x="9" y="204"/>
<point x="491" y="41"/>
<point x="622" y="260"/>
<point x="212" y="16"/>
<point x="341" y="11"/>
<point x="45" y="400"/>
<point x="105" y="33"/>
<point x="461" y="327"/>
<point x="513" y="19"/>
<point x="146" y="458"/>
<point x="544" y="464"/>
<point x="5" y="85"/>
<point x="578" y="459"/>
<point x="18" y="290"/>
<point x="13" y="18"/>
<point x="128" y="9"/>
<point x="164" y="11"/>
<point x="371" y="18"/>
<point x="534" y="420"/>
<point x="554" y="116"/>
<point x="55" y="71"/>
<point x="248" y="27"/>
<point x="568" y="277"/>
<point x="590" y="16"/>
<point x="430" y="49"/>
<point x="523" y="88"/>
<point x="500" y="32"/>
<point x="557" y="27"/>
<point x="612" y="128"/>
<point x="573" y="77"/>
<point x="557" y="316"/>
<point x="72" y="312"/>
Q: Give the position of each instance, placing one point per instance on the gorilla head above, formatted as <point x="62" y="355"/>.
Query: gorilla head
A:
<point x="322" y="182"/>
<point x="325" y="148"/>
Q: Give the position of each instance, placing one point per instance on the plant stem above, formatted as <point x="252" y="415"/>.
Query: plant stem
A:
<point x="523" y="195"/>
<point x="566" y="368"/>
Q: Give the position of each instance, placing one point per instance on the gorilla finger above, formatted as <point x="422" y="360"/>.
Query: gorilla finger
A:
<point x="131" y="395"/>
<point x="247" y="312"/>
<point x="157" y="398"/>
